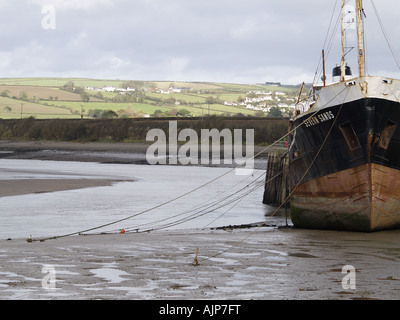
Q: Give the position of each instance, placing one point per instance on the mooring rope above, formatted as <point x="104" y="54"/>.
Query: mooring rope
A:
<point x="199" y="210"/>
<point x="204" y="204"/>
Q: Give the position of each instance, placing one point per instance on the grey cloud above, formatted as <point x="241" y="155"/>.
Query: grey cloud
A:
<point x="210" y="40"/>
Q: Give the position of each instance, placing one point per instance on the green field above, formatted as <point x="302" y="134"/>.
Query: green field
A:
<point x="43" y="98"/>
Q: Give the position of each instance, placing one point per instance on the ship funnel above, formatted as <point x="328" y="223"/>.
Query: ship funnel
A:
<point x="336" y="74"/>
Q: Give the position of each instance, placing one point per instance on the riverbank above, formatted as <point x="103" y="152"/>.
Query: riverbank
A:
<point x="102" y="152"/>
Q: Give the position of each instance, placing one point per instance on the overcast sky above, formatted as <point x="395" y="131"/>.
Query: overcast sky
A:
<point x="237" y="41"/>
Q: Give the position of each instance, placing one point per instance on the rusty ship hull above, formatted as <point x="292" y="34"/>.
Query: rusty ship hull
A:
<point x="344" y="158"/>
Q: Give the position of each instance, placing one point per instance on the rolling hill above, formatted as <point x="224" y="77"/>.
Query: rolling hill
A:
<point x="45" y="98"/>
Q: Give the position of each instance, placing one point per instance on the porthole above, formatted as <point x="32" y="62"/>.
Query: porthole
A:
<point x="386" y="135"/>
<point x="350" y="136"/>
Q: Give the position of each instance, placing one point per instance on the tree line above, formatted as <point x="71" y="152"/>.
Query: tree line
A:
<point x="266" y="130"/>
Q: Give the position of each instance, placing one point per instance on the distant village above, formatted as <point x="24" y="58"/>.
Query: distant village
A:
<point x="111" y="89"/>
<point x="264" y="101"/>
<point x="130" y="90"/>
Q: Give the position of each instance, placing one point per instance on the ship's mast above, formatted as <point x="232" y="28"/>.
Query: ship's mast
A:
<point x="360" y="36"/>
<point x="343" y="63"/>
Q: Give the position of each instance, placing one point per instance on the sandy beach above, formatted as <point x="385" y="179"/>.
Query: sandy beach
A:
<point x="275" y="263"/>
<point x="24" y="186"/>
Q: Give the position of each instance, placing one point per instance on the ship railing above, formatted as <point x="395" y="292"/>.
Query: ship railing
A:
<point x="304" y="105"/>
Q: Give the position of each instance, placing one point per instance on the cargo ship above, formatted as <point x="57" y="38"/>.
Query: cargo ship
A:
<point x="344" y="149"/>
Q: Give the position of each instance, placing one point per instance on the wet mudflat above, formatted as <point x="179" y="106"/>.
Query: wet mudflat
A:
<point x="233" y="264"/>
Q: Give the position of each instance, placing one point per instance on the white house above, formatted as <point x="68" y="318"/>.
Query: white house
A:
<point x="108" y="89"/>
